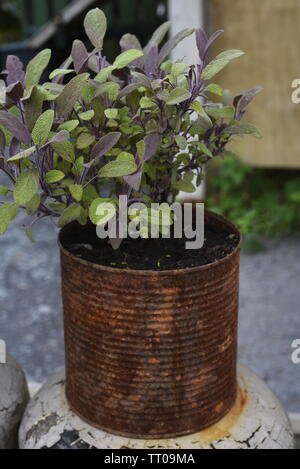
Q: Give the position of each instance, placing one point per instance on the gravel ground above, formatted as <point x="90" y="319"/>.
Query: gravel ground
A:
<point x="31" y="318"/>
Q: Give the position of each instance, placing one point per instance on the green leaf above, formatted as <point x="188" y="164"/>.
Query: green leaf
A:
<point x="240" y="128"/>
<point x="118" y="169"/>
<point x="203" y="148"/>
<point x="225" y="112"/>
<point x="8" y="212"/>
<point x="104" y="74"/>
<point x="84" y="141"/>
<point x="181" y="142"/>
<point x="102" y="211"/>
<point x="178" y="69"/>
<point x="69" y="126"/>
<point x="177" y="96"/>
<point x="26" y="186"/>
<point x="54" y="176"/>
<point x="87" y="116"/>
<point x="22" y="155"/>
<point x="95" y="25"/>
<point x="29" y="234"/>
<point x="198" y="108"/>
<point x="70" y="214"/>
<point x="230" y="54"/>
<point x="146" y="103"/>
<point x="214" y="68"/>
<point x="141" y="149"/>
<point x="65" y="150"/>
<point x="36" y="67"/>
<point x="184" y="186"/>
<point x="76" y="191"/>
<point x="215" y="89"/>
<point x="60" y="71"/>
<point x="57" y="206"/>
<point x="33" y="205"/>
<point x="111" y="89"/>
<point x="43" y="128"/>
<point x="3" y="190"/>
<point x="127" y="57"/>
<point x="111" y="113"/>
<point x="70" y="94"/>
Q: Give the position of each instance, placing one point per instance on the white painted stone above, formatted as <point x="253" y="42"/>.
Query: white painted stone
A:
<point x="257" y="421"/>
<point x="13" y="399"/>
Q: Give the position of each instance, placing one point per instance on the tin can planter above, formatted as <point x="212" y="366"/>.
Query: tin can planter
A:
<point x="151" y="354"/>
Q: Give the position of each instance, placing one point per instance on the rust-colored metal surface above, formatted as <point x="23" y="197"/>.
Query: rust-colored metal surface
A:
<point x="151" y="354"/>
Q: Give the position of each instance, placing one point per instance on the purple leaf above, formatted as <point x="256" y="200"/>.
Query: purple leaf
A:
<point x="134" y="180"/>
<point x="15" y="147"/>
<point x="104" y="145"/>
<point x="2" y="141"/>
<point x="201" y="39"/>
<point x="14" y="126"/>
<point x="128" y="89"/>
<point x="15" y="91"/>
<point x="152" y="61"/>
<point x="172" y="43"/>
<point x="62" y="136"/>
<point x="212" y="40"/>
<point x="152" y="143"/>
<point x="80" y="56"/>
<point x="128" y="42"/>
<point x="15" y="70"/>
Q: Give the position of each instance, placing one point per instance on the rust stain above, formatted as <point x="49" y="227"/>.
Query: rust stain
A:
<point x="223" y="428"/>
<point x="156" y="336"/>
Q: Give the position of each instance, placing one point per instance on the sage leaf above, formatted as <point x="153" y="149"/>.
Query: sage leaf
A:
<point x="36" y="67"/>
<point x="42" y="128"/>
<point x="70" y="94"/>
<point x="214" y="68"/>
<point x="95" y="25"/>
<point x="29" y="234"/>
<point x="70" y="214"/>
<point x="26" y="186"/>
<point x="118" y="169"/>
<point x="8" y="212"/>
<point x="33" y="205"/>
<point x="15" y="127"/>
<point x="76" y="191"/>
<point x="177" y="96"/>
<point x="127" y="57"/>
<point x="54" y="176"/>
<point x="101" y="211"/>
<point x="22" y="155"/>
<point x="60" y="71"/>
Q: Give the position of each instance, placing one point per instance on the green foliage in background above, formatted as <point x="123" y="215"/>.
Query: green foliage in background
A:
<point x="262" y="202"/>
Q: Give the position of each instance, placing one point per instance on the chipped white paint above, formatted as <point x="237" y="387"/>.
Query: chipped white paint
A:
<point x="257" y="421"/>
<point x="13" y="399"/>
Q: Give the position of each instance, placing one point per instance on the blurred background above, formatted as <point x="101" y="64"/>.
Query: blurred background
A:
<point x="260" y="191"/>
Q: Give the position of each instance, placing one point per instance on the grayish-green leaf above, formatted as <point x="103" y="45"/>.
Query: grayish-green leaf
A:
<point x="42" y="128"/>
<point x="118" y="169"/>
<point x="70" y="94"/>
<point x="26" y="186"/>
<point x="95" y="25"/>
<point x="36" y="67"/>
<point x="70" y="214"/>
<point x="23" y="154"/>
<point x="177" y="96"/>
<point x="127" y="57"/>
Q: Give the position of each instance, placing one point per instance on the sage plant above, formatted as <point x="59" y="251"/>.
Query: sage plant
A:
<point x="143" y="126"/>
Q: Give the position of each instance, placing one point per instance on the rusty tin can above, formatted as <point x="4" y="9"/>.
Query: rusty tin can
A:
<point x="151" y="354"/>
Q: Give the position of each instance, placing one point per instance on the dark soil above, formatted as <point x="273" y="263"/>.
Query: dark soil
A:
<point x="151" y="254"/>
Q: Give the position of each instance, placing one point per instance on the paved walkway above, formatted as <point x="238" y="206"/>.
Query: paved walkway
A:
<point x="31" y="320"/>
